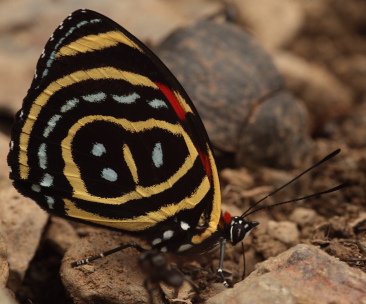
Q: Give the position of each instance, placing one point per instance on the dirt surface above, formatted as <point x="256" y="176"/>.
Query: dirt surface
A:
<point x="332" y="36"/>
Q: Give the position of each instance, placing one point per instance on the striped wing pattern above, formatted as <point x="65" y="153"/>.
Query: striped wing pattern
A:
<point x="106" y="135"/>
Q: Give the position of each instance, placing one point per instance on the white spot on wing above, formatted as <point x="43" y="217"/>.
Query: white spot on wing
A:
<point x="168" y="234"/>
<point x="157" y="104"/>
<point x="42" y="156"/>
<point x="97" y="97"/>
<point x="98" y="149"/>
<point x="126" y="99"/>
<point x="51" y="125"/>
<point x="47" y="180"/>
<point x="184" y="225"/>
<point x="157" y="155"/>
<point x="164" y="249"/>
<point x="109" y="174"/>
<point x="11" y="145"/>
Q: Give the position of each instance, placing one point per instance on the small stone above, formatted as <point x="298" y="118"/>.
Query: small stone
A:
<point x="284" y="231"/>
<point x="303" y="216"/>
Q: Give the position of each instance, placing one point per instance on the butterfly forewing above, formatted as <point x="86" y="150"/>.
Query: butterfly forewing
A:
<point x="107" y="135"/>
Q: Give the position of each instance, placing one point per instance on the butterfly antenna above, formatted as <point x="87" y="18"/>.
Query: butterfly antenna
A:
<point x="341" y="186"/>
<point x="329" y="156"/>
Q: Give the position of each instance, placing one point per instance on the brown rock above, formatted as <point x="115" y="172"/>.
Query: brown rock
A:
<point x="303" y="274"/>
<point x="113" y="279"/>
<point x="23" y="223"/>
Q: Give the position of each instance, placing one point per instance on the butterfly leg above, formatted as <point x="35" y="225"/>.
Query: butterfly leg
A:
<point x="104" y="254"/>
<point x="220" y="271"/>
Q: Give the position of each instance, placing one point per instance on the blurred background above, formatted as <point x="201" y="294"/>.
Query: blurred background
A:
<point x="278" y="84"/>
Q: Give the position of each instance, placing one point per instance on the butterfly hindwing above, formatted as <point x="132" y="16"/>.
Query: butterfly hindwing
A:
<point x="107" y="135"/>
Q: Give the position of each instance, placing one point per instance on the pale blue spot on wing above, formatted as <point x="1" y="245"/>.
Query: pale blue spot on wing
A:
<point x="51" y="125"/>
<point x="157" y="155"/>
<point x="126" y="99"/>
<point x="50" y="201"/>
<point x="36" y="188"/>
<point x="97" y="97"/>
<point x="98" y="149"/>
<point x="70" y="104"/>
<point x="47" y="180"/>
<point x="157" y="104"/>
<point x="109" y="174"/>
<point x="42" y="156"/>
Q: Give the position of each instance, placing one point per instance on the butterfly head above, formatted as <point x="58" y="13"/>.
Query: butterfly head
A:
<point x="237" y="228"/>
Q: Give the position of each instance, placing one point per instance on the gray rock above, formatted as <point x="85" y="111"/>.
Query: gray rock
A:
<point x="302" y="274"/>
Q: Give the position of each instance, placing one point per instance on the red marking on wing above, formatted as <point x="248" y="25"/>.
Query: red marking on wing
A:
<point x="206" y="163"/>
<point x="227" y="217"/>
<point x="181" y="112"/>
<point x="173" y="100"/>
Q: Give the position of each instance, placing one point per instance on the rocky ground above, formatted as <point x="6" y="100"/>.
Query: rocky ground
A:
<point x="311" y="251"/>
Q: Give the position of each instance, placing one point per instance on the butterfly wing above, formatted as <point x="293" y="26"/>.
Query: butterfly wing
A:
<point x="107" y="135"/>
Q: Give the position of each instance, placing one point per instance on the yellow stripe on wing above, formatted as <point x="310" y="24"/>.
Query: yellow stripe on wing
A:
<point x="76" y="77"/>
<point x="92" y="43"/>
<point x="143" y="222"/>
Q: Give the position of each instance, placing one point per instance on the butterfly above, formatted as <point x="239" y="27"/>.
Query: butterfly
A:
<point x="107" y="136"/>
